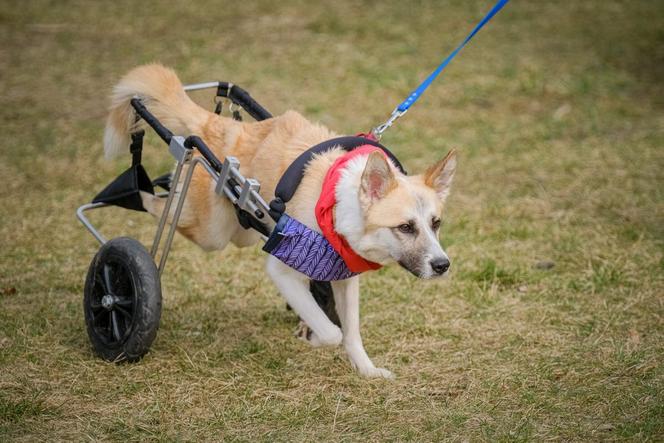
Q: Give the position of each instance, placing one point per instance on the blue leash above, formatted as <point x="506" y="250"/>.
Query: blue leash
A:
<point x="415" y="95"/>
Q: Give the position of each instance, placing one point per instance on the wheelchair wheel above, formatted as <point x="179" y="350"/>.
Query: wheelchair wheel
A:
<point x="122" y="300"/>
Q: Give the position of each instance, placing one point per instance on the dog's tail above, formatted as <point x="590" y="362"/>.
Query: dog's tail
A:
<point x="161" y="92"/>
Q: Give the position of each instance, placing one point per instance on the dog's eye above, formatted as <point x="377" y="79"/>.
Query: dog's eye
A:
<point x="435" y="224"/>
<point x="406" y="228"/>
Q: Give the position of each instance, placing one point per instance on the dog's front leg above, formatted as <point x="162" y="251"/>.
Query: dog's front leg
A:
<point x="294" y="287"/>
<point x="347" y="301"/>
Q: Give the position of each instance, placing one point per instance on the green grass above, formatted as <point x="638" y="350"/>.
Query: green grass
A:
<point x="557" y="111"/>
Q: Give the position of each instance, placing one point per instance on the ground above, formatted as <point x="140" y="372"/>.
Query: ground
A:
<point x="550" y="326"/>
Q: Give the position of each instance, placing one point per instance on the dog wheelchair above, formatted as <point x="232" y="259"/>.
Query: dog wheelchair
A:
<point x="122" y="295"/>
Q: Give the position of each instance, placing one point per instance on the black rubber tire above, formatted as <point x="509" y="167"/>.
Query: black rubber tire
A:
<point x="123" y="328"/>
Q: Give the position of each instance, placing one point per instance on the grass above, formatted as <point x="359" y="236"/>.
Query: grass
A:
<point x="557" y="113"/>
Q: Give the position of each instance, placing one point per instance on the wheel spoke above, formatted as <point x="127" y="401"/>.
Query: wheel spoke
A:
<point x="100" y="280"/>
<point x="99" y="316"/>
<point x="95" y="307"/>
<point x="108" y="287"/>
<point x="122" y="311"/>
<point x="124" y="302"/>
<point x="115" y="326"/>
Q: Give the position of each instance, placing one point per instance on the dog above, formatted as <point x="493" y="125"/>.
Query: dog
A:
<point x="382" y="214"/>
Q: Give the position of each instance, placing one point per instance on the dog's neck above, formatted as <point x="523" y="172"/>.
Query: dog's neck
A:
<point x="349" y="220"/>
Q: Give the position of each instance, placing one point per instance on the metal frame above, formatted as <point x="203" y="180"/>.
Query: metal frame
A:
<point x="242" y="192"/>
<point x="199" y="86"/>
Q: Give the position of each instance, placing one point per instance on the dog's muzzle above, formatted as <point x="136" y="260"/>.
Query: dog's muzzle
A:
<point x="306" y="251"/>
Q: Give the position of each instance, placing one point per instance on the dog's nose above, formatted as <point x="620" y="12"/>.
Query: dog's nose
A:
<point x="440" y="265"/>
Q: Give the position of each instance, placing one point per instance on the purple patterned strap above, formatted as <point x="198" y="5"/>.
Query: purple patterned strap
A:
<point x="306" y="251"/>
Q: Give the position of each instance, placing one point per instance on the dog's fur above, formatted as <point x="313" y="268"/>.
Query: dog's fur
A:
<point x="384" y="215"/>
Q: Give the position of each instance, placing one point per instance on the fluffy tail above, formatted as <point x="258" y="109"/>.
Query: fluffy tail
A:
<point x="161" y="92"/>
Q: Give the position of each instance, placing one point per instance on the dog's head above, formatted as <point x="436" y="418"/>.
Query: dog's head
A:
<point x="402" y="215"/>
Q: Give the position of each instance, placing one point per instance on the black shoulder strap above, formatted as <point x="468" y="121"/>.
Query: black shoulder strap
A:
<point x="293" y="176"/>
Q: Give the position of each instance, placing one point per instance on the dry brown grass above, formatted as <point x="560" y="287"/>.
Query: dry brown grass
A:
<point x="557" y="112"/>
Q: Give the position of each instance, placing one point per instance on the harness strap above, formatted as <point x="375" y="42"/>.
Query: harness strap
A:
<point x="136" y="147"/>
<point x="293" y="175"/>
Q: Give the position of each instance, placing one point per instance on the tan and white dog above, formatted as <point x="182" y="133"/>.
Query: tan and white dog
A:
<point x="384" y="215"/>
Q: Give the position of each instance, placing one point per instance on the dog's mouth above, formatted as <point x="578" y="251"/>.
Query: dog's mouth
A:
<point x="416" y="270"/>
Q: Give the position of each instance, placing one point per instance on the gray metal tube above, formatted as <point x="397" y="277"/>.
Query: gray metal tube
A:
<point x="198" y="86"/>
<point x="167" y="208"/>
<point x="178" y="210"/>
<point x="79" y="213"/>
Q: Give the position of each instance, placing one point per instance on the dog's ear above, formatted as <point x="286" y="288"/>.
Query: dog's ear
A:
<point x="377" y="179"/>
<point x="439" y="176"/>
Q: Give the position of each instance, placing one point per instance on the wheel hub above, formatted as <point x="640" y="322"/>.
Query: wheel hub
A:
<point x="108" y="301"/>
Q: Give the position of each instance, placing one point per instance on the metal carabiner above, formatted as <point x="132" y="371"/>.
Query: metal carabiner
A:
<point x="235" y="113"/>
<point x="378" y="130"/>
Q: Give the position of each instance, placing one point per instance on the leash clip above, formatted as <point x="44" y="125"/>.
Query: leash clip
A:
<point x="378" y="130"/>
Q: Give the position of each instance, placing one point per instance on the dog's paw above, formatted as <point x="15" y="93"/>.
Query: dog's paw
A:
<point x="305" y="333"/>
<point x="373" y="372"/>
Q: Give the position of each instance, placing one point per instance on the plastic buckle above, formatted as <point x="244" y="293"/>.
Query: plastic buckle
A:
<point x="218" y="105"/>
